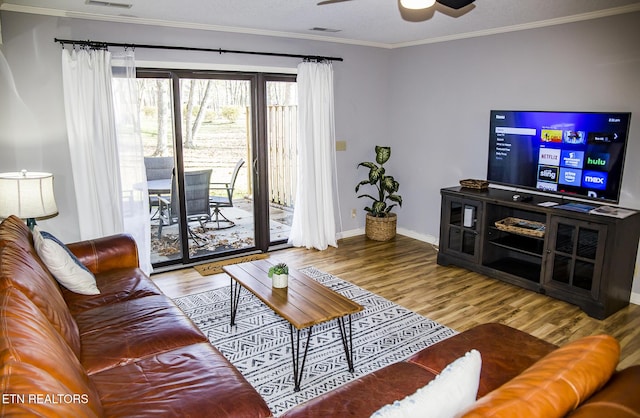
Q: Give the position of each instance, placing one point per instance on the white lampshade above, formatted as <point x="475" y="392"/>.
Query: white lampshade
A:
<point x="417" y="4"/>
<point x="28" y="195"/>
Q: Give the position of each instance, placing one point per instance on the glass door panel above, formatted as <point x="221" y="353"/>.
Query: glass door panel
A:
<point x="156" y="125"/>
<point x="216" y="138"/>
<point x="455" y="214"/>
<point x="576" y="255"/>
<point x="282" y="135"/>
<point x="468" y="242"/>
<point x="239" y="131"/>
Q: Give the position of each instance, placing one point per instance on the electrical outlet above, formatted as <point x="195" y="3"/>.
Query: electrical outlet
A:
<point x="353" y="213"/>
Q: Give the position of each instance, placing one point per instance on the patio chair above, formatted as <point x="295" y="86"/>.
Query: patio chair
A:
<point x="157" y="168"/>
<point x="196" y="185"/>
<point x="225" y="201"/>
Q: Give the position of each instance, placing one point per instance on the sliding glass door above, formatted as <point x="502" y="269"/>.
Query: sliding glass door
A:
<point x="282" y="133"/>
<point x="233" y="132"/>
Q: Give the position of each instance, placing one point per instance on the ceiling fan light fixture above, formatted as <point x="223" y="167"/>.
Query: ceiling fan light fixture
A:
<point x="417" y="4"/>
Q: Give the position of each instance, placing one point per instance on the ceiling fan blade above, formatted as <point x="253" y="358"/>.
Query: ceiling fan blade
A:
<point x="330" y="2"/>
<point x="455" y="4"/>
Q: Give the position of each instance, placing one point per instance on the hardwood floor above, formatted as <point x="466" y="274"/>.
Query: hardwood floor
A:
<point x="404" y="270"/>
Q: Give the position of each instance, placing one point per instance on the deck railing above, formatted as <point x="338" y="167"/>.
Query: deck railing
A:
<point x="282" y="127"/>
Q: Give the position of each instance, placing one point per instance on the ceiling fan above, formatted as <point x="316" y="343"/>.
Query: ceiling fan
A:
<point x="418" y="4"/>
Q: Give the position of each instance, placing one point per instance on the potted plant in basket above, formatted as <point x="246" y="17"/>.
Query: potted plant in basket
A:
<point x="279" y="275"/>
<point x="380" y="222"/>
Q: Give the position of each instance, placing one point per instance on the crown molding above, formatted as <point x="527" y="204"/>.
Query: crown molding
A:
<point x="181" y="25"/>
<point x="526" y="26"/>
<point x="292" y="35"/>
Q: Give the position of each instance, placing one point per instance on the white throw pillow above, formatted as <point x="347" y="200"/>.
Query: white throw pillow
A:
<point x="449" y="394"/>
<point x="64" y="266"/>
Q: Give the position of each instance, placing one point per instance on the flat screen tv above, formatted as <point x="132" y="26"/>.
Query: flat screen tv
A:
<point x="574" y="153"/>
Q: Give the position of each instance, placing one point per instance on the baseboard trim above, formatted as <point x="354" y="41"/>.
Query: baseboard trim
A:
<point x="350" y="233"/>
<point x="400" y="231"/>
<point x="635" y="298"/>
<point x="420" y="237"/>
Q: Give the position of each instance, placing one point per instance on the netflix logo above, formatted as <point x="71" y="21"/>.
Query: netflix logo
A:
<point x="549" y="156"/>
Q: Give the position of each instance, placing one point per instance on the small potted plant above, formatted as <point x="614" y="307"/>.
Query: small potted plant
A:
<point x="380" y="222"/>
<point x="279" y="275"/>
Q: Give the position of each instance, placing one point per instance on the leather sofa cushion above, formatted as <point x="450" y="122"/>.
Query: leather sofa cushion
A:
<point x="190" y="381"/>
<point x="14" y="230"/>
<point x="39" y="370"/>
<point x="365" y="395"/>
<point x="556" y="384"/>
<point x="22" y="269"/>
<point x="115" y="286"/>
<point x="121" y="333"/>
<point x="505" y="353"/>
<point x="618" y="399"/>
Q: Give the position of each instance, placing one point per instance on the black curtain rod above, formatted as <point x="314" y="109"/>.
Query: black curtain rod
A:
<point x="104" y="45"/>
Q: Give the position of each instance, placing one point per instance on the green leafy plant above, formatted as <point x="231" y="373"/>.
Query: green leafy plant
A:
<point x="230" y="113"/>
<point x="386" y="186"/>
<point x="280" y="268"/>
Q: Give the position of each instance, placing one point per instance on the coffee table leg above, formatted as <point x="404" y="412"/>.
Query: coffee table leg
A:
<point x="295" y="352"/>
<point x="235" y="300"/>
<point x="347" y="341"/>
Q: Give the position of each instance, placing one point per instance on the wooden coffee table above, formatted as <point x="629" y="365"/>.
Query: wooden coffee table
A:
<point x="304" y="304"/>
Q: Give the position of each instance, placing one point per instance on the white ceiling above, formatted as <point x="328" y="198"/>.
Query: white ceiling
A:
<point x="381" y="23"/>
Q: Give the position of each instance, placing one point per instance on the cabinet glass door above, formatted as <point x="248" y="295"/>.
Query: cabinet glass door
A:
<point x="575" y="257"/>
<point x="462" y="227"/>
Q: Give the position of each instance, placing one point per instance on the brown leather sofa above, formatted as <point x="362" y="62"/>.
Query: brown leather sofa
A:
<point x="126" y="352"/>
<point x="509" y="358"/>
<point x="129" y="351"/>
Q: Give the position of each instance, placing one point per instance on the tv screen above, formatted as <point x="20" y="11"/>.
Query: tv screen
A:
<point x="575" y="153"/>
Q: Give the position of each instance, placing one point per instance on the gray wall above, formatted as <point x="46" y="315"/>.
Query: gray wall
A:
<point x="32" y="128"/>
<point x="441" y="95"/>
<point x="430" y="103"/>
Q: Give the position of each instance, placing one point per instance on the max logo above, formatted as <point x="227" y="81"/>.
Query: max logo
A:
<point x="595" y="180"/>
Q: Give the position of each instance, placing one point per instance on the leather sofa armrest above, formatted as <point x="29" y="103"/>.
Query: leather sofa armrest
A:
<point x="618" y="398"/>
<point x="505" y="352"/>
<point x="107" y="253"/>
<point x="556" y="384"/>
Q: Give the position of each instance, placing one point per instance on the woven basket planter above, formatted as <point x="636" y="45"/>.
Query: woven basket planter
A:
<point x="381" y="229"/>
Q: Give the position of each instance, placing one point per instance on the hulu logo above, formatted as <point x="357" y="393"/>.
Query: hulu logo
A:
<point x="596" y="161"/>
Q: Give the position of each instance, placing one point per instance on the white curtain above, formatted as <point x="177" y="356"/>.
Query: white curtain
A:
<point x="103" y="200"/>
<point x="313" y="217"/>
<point x="133" y="178"/>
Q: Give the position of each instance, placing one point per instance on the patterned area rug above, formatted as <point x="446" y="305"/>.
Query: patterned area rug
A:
<point x="259" y="344"/>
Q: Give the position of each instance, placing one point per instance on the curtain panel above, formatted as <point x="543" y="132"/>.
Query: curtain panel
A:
<point x="111" y="197"/>
<point x="314" y="223"/>
<point x="133" y="177"/>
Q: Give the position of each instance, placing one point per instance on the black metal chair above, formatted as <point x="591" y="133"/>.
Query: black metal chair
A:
<point x="157" y="168"/>
<point x="196" y="185"/>
<point x="225" y="201"/>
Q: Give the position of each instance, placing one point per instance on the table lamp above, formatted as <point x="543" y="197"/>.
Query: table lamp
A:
<point x="28" y="195"/>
